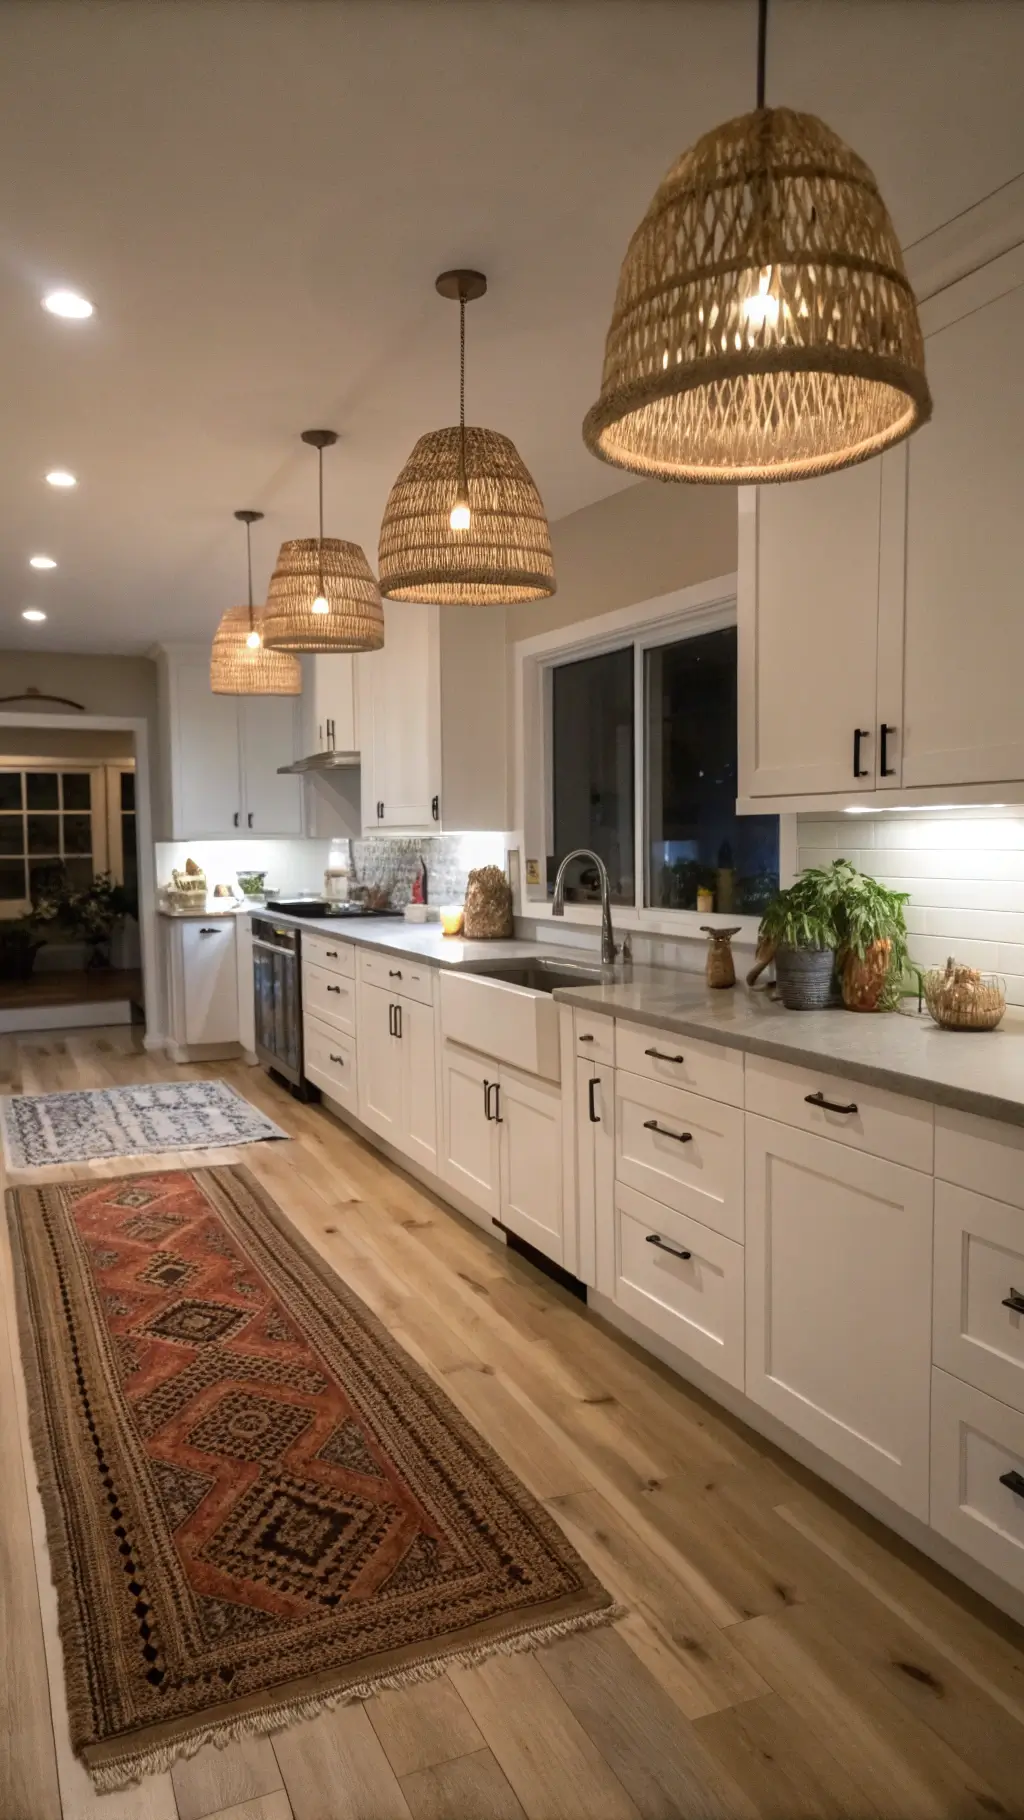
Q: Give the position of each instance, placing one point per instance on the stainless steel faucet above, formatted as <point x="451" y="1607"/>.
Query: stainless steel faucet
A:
<point x="608" y="948"/>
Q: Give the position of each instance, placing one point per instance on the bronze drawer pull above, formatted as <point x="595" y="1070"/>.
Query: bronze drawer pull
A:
<point x="660" y="1056"/>
<point x="654" y="1238"/>
<point x="818" y="1099"/>
<point x="681" y="1137"/>
<point x="1014" y="1301"/>
<point x="340" y="1059"/>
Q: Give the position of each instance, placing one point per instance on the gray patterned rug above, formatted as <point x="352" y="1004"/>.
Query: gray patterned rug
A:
<point x="40" y="1129"/>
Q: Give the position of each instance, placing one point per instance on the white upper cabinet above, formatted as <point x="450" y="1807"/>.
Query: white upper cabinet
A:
<point x="222" y="753"/>
<point x="330" y="714"/>
<point x="882" y="600"/>
<point x="432" y="714"/>
<point x="965" y="539"/>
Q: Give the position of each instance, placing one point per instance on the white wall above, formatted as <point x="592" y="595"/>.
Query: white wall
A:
<point x="964" y="871"/>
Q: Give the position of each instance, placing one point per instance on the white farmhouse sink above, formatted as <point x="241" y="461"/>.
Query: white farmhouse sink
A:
<point x="509" y="1013"/>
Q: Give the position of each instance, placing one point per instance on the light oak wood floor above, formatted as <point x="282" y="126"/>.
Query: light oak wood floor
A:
<point x="783" y="1656"/>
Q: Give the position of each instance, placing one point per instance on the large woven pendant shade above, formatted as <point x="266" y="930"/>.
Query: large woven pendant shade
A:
<point x="764" y="327"/>
<point x="322" y="595"/>
<point x="240" y="663"/>
<point x="505" y="554"/>
<point x="464" y="525"/>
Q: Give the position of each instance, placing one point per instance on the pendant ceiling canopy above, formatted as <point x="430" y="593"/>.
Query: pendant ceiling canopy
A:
<point x="322" y="595"/>
<point x="240" y="663"/>
<point x="464" y="524"/>
<point x="764" y="326"/>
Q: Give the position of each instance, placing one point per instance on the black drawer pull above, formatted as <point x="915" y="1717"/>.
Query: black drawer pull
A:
<point x="1014" y="1300"/>
<point x="394" y="973"/>
<point x="681" y="1137"/>
<point x="1014" y="1481"/>
<point x="595" y="1117"/>
<point x="334" y="989"/>
<point x="660" y="1056"/>
<point x="331" y="954"/>
<point x="340" y="1059"/>
<point x="585" y="1038"/>
<point x="818" y="1099"/>
<point x="655" y="1238"/>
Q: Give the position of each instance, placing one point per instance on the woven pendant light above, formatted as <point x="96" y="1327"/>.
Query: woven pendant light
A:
<point x="464" y="524"/>
<point x="240" y="663"/>
<point x="764" y="326"/>
<point x="322" y="594"/>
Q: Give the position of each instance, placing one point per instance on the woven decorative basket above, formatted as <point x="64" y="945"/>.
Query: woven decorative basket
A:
<point x="488" y="913"/>
<point x="804" y="977"/>
<point x="961" y="998"/>
<point x="764" y="326"/>
<point x="505" y="556"/>
<point x="354" y="620"/>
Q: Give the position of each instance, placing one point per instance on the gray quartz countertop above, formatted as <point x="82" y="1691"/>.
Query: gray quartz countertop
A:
<point x="216" y="906"/>
<point x="426" y="942"/>
<point x="973" y="1071"/>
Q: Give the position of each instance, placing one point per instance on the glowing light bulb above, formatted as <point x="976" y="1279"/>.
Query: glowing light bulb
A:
<point x="253" y="641"/>
<point x="460" y="516"/>
<point x="321" y="605"/>
<point x="762" y="309"/>
<point x="70" y="304"/>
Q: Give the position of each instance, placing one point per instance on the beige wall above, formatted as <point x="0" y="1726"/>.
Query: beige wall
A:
<point x="642" y="542"/>
<point x="67" y="742"/>
<point x="123" y="686"/>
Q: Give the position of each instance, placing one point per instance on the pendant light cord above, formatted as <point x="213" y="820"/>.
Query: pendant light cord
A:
<point x="462" y="394"/>
<point x="762" y="46"/>
<point x="248" y="558"/>
<point x="320" y="536"/>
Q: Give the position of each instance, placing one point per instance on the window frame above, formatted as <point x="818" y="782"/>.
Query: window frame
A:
<point x="688" y="612"/>
<point x="106" y="828"/>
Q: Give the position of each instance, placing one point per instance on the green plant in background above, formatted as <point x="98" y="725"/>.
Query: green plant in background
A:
<point x="839" y="907"/>
<point x="871" y="914"/>
<point x="89" y="914"/>
<point x="806" y="914"/>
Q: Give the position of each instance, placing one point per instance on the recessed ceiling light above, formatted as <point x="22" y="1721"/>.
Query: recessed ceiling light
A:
<point x="59" y="477"/>
<point x="42" y="562"/>
<point x="67" y="303"/>
<point x="35" y="614"/>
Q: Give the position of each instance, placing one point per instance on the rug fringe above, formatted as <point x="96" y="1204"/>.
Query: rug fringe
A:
<point x="132" y="1766"/>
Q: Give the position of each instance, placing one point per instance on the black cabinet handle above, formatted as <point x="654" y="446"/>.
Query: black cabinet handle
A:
<point x="394" y="973"/>
<point x="681" y="1137"/>
<point x="391" y="1020"/>
<point x="211" y="932"/>
<point x="380" y="812"/>
<point x="334" y="989"/>
<point x="487" y="1099"/>
<point x="654" y="1238"/>
<point x="818" y="1099"/>
<point x="1014" y="1481"/>
<point x="435" y="808"/>
<point x="1014" y="1300"/>
<point x="884" y="767"/>
<point x="498" y="1120"/>
<point x="585" y="1038"/>
<point x="660" y="1056"/>
<point x="331" y="954"/>
<point x="595" y="1117"/>
<point x="236" y="818"/>
<point x="398" y="1020"/>
<point x="249" y="818"/>
<point x="859" y="734"/>
<point x="340" y="1059"/>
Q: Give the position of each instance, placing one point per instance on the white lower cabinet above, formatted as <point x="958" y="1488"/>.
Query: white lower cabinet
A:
<point x="839" y="1298"/>
<point x="595" y="1160"/>
<point x="329" y="1061"/>
<point x="979" y="1292"/>
<point x="501" y="1145"/>
<point x="977" y="1473"/>
<point x="681" y="1148"/>
<point x="205" y="1000"/>
<point x="397" y="1075"/>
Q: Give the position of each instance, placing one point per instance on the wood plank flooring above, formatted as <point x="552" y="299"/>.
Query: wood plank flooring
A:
<point x="783" y="1656"/>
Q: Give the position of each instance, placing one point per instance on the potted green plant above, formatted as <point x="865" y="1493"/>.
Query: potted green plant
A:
<point x="800" y="931"/>
<point x="874" y="960"/>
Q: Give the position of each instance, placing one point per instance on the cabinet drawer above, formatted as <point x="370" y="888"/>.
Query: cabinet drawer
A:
<point x="882" y="1124"/>
<point x="977" y="1443"/>
<point x="680" y="1061"/>
<point x="330" y="997"/>
<point x="682" y="1149"/>
<point x="695" y="1301"/>
<point x="327" y="951"/>
<point x="595" y="1037"/>
<point x="979" y="1269"/>
<point x="395" y="974"/>
<point x="329" y="1062"/>
<point x="981" y="1154"/>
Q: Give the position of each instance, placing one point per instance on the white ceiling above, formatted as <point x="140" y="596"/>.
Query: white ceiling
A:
<point x="257" y="195"/>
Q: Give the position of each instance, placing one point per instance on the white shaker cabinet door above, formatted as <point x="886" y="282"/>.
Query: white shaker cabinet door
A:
<point x="595" y="1170"/>
<point x="808" y="625"/>
<point x="273" y="804"/>
<point x="965" y="539"/>
<point x="400" y="721"/>
<point x="839" y="1290"/>
<point x="210" y="973"/>
<point x="530" y="1114"/>
<point x="380" y="1063"/>
<point x="469" y="1134"/>
<point x="205" y="759"/>
<point x="419" y="1082"/>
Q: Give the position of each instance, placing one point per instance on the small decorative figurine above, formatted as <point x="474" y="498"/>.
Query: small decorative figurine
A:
<point x="720" y="970"/>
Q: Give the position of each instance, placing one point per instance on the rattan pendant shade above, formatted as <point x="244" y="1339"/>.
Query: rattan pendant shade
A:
<point x="240" y="663"/>
<point x="504" y="556"/>
<point x="764" y="326"/>
<point x="322" y="595"/>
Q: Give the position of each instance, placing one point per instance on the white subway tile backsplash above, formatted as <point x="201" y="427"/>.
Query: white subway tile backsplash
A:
<point x="964" y="873"/>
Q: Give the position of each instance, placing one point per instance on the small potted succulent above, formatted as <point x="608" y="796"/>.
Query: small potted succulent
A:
<point x="800" y="932"/>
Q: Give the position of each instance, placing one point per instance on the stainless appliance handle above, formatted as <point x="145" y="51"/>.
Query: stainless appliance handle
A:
<point x="272" y="948"/>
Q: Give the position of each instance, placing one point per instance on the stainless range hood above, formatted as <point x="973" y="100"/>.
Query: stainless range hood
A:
<point x="320" y="761"/>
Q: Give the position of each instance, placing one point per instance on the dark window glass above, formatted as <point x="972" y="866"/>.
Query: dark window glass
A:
<point x="129" y="856"/>
<point x="46" y="876"/>
<point x="41" y="787"/>
<point x="12" y="880"/>
<point x="12" y="834"/>
<point x="592" y="772"/>
<point x="77" y="786"/>
<point x="695" y="838"/>
<point x="127" y="789"/>
<point x="44" y="833"/>
<point x="78" y="873"/>
<point x="10" y="789"/>
<point x="77" y="833"/>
